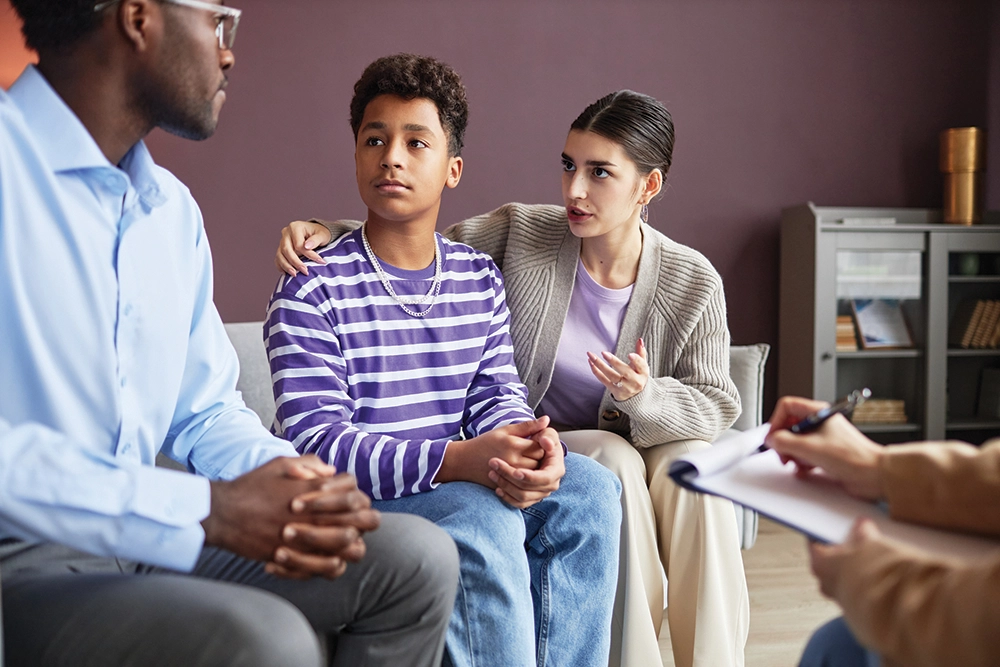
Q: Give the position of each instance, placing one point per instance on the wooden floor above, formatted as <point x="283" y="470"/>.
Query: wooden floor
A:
<point x="785" y="603"/>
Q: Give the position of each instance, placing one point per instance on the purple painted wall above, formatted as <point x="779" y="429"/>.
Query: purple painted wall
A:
<point x="993" y="123"/>
<point x="776" y="102"/>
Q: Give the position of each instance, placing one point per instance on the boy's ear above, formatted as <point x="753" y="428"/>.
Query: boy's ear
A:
<point x="454" y="171"/>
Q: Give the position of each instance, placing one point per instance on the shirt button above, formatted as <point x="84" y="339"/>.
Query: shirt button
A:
<point x="128" y="310"/>
<point x="123" y="382"/>
<point x="610" y="415"/>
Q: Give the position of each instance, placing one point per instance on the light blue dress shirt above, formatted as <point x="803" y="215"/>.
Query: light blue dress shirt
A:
<point x="111" y="348"/>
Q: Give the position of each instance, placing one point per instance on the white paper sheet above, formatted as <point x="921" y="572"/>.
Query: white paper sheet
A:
<point x="817" y="507"/>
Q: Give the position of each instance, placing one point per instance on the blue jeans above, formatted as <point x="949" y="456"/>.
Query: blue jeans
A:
<point x="834" y="645"/>
<point x="536" y="586"/>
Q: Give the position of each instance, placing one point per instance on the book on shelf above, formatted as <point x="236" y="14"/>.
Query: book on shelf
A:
<point x="984" y="332"/>
<point x="976" y="325"/>
<point x="813" y="504"/>
<point x="881" y="324"/>
<point x="880" y="411"/>
<point x="847" y="340"/>
<point x="964" y="322"/>
<point x="995" y="337"/>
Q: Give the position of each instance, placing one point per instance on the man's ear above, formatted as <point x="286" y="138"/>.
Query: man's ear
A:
<point x="141" y="22"/>
<point x="454" y="171"/>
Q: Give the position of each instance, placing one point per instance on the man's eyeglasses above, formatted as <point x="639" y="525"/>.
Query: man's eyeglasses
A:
<point x="228" y="18"/>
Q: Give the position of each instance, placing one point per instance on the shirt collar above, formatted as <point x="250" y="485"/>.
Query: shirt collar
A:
<point x="66" y="144"/>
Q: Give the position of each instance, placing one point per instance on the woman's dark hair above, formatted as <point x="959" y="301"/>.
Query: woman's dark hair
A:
<point x="641" y="125"/>
<point x="55" y="25"/>
<point x="408" y="76"/>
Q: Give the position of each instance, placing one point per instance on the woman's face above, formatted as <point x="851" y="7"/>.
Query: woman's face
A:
<point x="601" y="185"/>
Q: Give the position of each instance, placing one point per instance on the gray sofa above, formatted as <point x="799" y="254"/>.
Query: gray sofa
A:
<point x="746" y="367"/>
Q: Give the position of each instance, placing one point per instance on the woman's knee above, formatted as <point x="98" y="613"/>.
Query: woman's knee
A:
<point x="659" y="457"/>
<point x="609" y="449"/>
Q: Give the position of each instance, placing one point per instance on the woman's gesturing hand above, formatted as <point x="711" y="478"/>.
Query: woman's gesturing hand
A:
<point x="623" y="380"/>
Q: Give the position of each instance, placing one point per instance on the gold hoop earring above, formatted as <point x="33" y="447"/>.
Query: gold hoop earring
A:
<point x="644" y="213"/>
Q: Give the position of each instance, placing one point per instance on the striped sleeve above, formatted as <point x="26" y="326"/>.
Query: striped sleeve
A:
<point x="315" y="409"/>
<point x="496" y="396"/>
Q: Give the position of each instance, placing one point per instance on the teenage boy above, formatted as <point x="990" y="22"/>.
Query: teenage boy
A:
<point x="393" y="361"/>
<point x="112" y="351"/>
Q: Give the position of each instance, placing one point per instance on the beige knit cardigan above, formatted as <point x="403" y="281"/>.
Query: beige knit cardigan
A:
<point x="677" y="307"/>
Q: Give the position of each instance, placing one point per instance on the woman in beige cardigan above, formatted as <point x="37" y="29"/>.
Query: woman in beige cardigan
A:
<point x="592" y="273"/>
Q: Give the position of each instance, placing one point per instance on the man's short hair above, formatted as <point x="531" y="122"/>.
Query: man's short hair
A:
<point x="408" y="76"/>
<point x="54" y="25"/>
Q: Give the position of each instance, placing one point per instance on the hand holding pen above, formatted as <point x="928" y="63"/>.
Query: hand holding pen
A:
<point x="845" y="407"/>
<point x="815" y="435"/>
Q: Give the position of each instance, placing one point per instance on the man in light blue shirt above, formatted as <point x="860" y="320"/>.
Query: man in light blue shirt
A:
<point x="111" y="350"/>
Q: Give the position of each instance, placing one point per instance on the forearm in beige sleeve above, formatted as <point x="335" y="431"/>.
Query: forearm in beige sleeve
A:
<point x="922" y="612"/>
<point x="946" y="484"/>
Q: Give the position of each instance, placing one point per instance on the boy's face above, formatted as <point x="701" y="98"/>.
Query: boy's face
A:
<point x="402" y="160"/>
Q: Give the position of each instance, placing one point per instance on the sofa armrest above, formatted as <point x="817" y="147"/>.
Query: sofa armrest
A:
<point x="746" y="368"/>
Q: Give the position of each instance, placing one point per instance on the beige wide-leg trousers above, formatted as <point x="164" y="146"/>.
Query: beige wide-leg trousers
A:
<point x="694" y="537"/>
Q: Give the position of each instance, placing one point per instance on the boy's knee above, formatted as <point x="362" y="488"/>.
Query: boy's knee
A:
<point x="599" y="486"/>
<point x="593" y="477"/>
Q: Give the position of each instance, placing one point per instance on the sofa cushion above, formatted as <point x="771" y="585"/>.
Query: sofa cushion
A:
<point x="746" y="368"/>
<point x="255" y="372"/>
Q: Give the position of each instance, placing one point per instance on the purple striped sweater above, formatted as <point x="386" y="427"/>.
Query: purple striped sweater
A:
<point x="377" y="392"/>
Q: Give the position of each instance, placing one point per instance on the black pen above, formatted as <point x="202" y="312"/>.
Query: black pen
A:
<point x="813" y="421"/>
<point x="842" y="407"/>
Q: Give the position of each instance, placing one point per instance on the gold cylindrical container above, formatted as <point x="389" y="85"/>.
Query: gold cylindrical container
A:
<point x="963" y="163"/>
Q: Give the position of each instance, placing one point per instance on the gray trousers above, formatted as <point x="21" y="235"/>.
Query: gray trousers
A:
<point x="64" y="607"/>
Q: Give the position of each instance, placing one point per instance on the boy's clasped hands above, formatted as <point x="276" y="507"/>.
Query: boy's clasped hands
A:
<point x="523" y="462"/>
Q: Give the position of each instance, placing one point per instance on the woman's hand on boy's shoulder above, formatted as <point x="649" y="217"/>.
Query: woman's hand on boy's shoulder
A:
<point x="300" y="239"/>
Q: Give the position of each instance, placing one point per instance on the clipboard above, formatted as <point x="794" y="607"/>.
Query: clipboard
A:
<point x="819" y="508"/>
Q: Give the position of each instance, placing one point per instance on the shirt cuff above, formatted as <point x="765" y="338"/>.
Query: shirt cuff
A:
<point x="173" y="505"/>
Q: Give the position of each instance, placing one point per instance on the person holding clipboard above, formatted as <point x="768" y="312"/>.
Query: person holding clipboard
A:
<point x="902" y="605"/>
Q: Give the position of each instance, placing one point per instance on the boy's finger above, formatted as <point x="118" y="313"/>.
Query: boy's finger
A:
<point x="526" y="429"/>
<point x="543" y="479"/>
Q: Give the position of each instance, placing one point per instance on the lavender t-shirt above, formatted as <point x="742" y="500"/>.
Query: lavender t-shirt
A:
<point x="592" y="324"/>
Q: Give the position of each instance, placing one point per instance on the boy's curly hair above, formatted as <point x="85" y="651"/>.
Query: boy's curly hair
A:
<point x="410" y="76"/>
